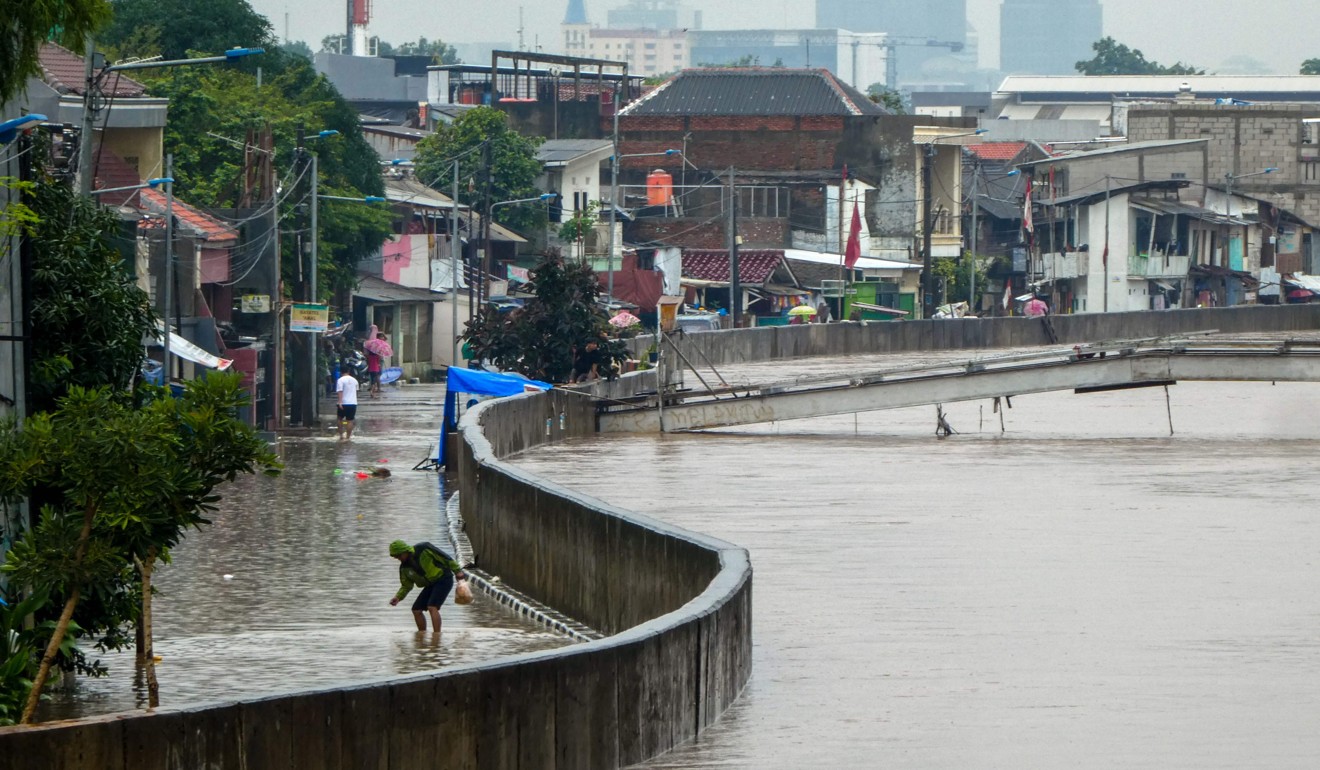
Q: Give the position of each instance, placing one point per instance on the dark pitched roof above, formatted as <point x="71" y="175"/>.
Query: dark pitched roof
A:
<point x="755" y="266"/>
<point x="755" y="91"/>
<point x="63" y="70"/>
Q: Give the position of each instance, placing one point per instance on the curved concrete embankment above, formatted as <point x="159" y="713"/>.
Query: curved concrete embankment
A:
<point x="677" y="606"/>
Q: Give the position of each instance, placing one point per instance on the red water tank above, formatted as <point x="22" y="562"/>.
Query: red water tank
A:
<point x="659" y="188"/>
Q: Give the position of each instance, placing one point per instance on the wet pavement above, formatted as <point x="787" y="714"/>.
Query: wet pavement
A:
<point x="1080" y="590"/>
<point x="307" y="603"/>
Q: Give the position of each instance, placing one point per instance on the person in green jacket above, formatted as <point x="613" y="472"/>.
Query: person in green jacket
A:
<point x="430" y="569"/>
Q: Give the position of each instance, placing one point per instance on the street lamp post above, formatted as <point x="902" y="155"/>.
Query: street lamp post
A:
<point x="91" y="88"/>
<point x="927" y="220"/>
<point x="614" y="199"/>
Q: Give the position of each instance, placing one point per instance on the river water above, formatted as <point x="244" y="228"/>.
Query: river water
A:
<point x="306" y="605"/>
<point x="1079" y="590"/>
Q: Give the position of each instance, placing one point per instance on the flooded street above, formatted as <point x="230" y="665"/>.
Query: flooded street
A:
<point x="307" y="604"/>
<point x="1082" y="590"/>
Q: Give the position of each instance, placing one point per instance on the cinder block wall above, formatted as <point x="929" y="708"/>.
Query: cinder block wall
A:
<point x="679" y="602"/>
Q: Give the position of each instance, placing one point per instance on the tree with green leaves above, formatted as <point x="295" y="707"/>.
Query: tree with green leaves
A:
<point x="88" y="315"/>
<point x="539" y="338"/>
<point x="439" y="51"/>
<point x="1114" y="58"/>
<point x="169" y="456"/>
<point x="211" y="104"/>
<point x="297" y="48"/>
<point x="496" y="164"/>
<point x="1311" y="67"/>
<point x="889" y="98"/>
<point x="29" y="23"/>
<point x="183" y="28"/>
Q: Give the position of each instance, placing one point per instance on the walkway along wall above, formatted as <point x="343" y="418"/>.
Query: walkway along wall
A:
<point x="857" y="338"/>
<point x="678" y="605"/>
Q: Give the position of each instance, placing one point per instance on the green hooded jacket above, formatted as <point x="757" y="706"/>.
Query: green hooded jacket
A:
<point x="421" y="570"/>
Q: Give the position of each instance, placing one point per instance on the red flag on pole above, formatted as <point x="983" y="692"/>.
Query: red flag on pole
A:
<point x="854" y="250"/>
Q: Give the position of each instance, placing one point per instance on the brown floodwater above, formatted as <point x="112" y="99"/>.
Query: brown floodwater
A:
<point x="306" y="601"/>
<point x="1079" y="590"/>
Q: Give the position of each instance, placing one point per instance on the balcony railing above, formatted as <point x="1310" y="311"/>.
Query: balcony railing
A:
<point x="1157" y="266"/>
<point x="1064" y="265"/>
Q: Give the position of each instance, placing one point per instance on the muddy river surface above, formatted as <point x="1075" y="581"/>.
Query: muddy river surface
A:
<point x="306" y="601"/>
<point x="1079" y="590"/>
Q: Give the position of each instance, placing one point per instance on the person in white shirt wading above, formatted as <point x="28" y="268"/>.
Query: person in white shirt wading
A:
<point x="347" y="387"/>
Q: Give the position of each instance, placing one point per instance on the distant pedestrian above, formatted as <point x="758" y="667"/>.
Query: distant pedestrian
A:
<point x="426" y="567"/>
<point x="822" y="313"/>
<point x="347" y="388"/>
<point x="587" y="362"/>
<point x="373" y="369"/>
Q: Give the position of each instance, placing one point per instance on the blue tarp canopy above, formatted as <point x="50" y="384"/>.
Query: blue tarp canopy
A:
<point x="477" y="382"/>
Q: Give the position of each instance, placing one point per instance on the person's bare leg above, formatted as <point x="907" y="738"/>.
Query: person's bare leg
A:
<point x="340" y="425"/>
<point x="435" y="618"/>
<point x="349" y="435"/>
<point x="421" y="620"/>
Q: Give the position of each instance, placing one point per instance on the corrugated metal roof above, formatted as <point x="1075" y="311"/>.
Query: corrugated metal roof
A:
<point x="1105" y="87"/>
<point x="755" y="91"/>
<point x="415" y="193"/>
<point x="755" y="266"/>
<point x="377" y="290"/>
<point x="1120" y="149"/>
<point x="564" y="150"/>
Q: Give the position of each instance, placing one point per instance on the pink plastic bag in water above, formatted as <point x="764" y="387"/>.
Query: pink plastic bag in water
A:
<point x="463" y="593"/>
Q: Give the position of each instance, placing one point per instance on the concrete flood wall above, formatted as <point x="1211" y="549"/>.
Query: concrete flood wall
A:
<point x="678" y="606"/>
<point x="765" y="343"/>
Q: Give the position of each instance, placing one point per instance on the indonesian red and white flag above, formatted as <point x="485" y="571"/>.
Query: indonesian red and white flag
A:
<point x="1027" y="223"/>
<point x="854" y="250"/>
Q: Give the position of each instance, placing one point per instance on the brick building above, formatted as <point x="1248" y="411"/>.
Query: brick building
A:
<point x="787" y="135"/>
<point x="1244" y="139"/>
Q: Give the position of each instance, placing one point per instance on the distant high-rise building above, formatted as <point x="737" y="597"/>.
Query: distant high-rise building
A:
<point x="940" y="21"/>
<point x="1047" y="37"/>
<point x="576" y="13"/>
<point x="653" y="14"/>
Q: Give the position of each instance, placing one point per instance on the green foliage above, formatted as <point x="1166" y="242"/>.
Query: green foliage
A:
<point x="439" y="51"/>
<point x="890" y="98"/>
<point x="29" y="23"/>
<point x="88" y="316"/>
<point x="169" y="455"/>
<point x="746" y="60"/>
<point x="1114" y="58"/>
<point x="513" y="166"/>
<point x="184" y="28"/>
<point x="580" y="224"/>
<point x="18" y="653"/>
<point x="539" y="338"/>
<point x="1311" y="67"/>
<point x="16" y="217"/>
<point x="297" y="48"/>
<point x="211" y="102"/>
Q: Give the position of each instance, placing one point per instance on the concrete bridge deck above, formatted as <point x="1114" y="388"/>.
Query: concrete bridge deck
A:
<point x="1091" y="368"/>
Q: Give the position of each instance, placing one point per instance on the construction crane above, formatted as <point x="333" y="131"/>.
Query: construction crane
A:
<point x="891" y="45"/>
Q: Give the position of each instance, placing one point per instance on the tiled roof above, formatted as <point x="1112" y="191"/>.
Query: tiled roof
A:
<point x="997" y="150"/>
<point x="209" y="228"/>
<point x="63" y="70"/>
<point x="755" y="266"/>
<point x="755" y="91"/>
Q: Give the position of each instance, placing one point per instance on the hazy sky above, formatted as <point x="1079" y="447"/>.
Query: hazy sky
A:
<point x="1208" y="33"/>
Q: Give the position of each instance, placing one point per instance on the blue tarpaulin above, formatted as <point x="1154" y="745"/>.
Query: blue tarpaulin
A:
<point x="478" y="383"/>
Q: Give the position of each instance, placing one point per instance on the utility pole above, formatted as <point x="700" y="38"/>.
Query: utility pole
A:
<point x="614" y="199"/>
<point x="735" y="282"/>
<point x="88" y="119"/>
<point x="976" y="234"/>
<point x="168" y="277"/>
<point x="1105" y="255"/>
<point x="453" y="264"/>
<point x="927" y="291"/>
<point x="313" y="339"/>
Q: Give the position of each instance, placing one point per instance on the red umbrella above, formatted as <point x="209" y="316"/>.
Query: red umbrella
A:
<point x="379" y="347"/>
<point x="1300" y="294"/>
